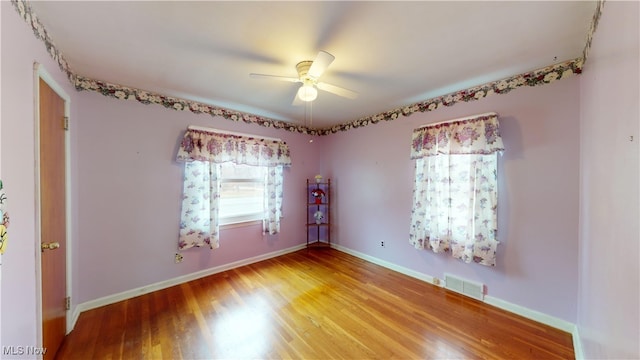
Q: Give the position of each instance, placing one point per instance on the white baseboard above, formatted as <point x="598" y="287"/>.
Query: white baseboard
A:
<point x="530" y="314"/>
<point x="110" y="299"/>
<point x="543" y="319"/>
<point x="502" y="304"/>
<point x="577" y="344"/>
<point x="505" y="305"/>
<point x="388" y="265"/>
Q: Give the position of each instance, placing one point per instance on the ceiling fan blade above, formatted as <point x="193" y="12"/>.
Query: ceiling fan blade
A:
<point x="274" y="77"/>
<point x="337" y="90"/>
<point x="320" y="64"/>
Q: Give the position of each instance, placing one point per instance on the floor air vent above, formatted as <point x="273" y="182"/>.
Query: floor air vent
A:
<point x="464" y="287"/>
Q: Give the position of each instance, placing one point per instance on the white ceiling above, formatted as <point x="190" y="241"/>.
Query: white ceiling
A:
<point x="392" y="53"/>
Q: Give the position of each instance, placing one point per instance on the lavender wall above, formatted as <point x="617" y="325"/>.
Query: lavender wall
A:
<point x="608" y="300"/>
<point x="19" y="51"/>
<point x="130" y="190"/>
<point x="538" y="196"/>
<point x="127" y="189"/>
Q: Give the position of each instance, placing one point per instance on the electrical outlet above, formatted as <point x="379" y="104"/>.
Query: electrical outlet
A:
<point x="382" y="243"/>
<point x="179" y="258"/>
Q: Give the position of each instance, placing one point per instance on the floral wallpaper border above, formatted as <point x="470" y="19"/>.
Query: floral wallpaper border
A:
<point x="147" y="97"/>
<point x="26" y="13"/>
<point x="592" y="29"/>
<point x="534" y="78"/>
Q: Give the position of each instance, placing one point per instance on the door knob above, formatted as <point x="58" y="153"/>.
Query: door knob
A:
<point x="50" y="246"/>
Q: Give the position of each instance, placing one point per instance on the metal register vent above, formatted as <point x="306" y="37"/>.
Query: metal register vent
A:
<point x="464" y="287"/>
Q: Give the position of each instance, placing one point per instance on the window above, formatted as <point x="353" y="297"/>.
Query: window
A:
<point x="242" y="193"/>
<point x="455" y="195"/>
<point x="229" y="178"/>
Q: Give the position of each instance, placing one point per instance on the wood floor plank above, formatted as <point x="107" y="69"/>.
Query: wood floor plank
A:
<point x="311" y="304"/>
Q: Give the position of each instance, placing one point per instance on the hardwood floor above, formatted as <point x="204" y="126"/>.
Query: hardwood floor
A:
<point x="311" y="304"/>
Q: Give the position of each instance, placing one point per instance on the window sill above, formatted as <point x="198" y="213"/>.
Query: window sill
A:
<point x="240" y="224"/>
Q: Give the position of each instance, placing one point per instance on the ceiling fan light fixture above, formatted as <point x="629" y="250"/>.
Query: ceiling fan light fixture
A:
<point x="307" y="92"/>
<point x="309" y="72"/>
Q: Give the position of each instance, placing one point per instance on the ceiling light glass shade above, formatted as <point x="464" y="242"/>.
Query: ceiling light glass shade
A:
<point x="307" y="93"/>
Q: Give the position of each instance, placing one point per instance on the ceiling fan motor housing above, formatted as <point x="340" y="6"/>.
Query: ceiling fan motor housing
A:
<point x="307" y="92"/>
<point x="303" y="69"/>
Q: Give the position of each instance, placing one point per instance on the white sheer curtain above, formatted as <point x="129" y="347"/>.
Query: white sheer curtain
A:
<point x="202" y="152"/>
<point x="455" y="196"/>
<point x="273" y="200"/>
<point x="199" y="224"/>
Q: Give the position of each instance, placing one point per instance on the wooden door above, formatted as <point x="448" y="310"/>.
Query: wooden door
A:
<point x="53" y="219"/>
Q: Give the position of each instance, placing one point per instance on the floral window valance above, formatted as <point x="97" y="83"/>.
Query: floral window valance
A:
<point x="477" y="135"/>
<point x="200" y="145"/>
<point x="455" y="194"/>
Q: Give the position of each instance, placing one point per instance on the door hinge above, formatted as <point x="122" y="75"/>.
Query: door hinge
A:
<point x="67" y="303"/>
<point x="65" y="123"/>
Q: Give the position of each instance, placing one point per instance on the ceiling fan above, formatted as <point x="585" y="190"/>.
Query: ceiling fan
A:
<point x="308" y="74"/>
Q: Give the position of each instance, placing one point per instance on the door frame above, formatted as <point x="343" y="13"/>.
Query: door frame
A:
<point x="41" y="73"/>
